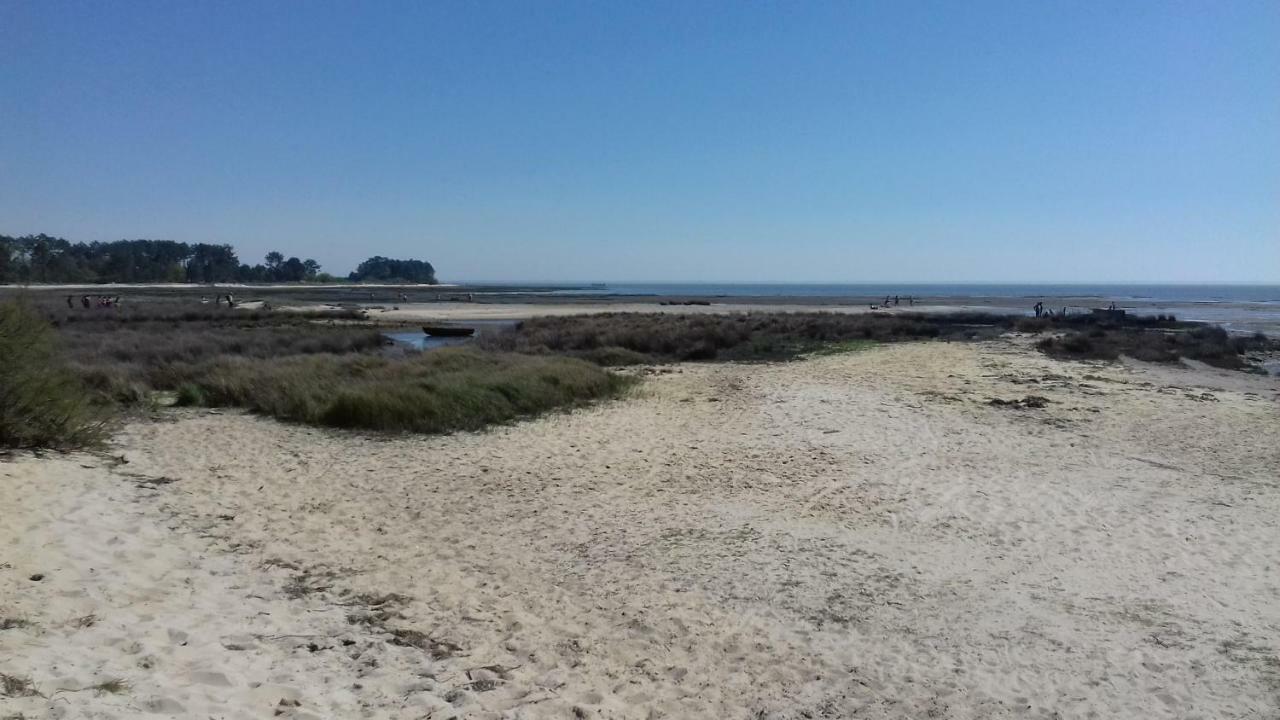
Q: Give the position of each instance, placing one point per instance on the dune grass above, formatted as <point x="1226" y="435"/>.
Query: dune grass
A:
<point x="42" y="402"/>
<point x="441" y="391"/>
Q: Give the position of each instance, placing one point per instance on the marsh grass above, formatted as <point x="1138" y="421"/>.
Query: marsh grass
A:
<point x="635" y="338"/>
<point x="124" y="355"/>
<point x="42" y="402"/>
<point x="441" y="391"/>
<point x="1207" y="344"/>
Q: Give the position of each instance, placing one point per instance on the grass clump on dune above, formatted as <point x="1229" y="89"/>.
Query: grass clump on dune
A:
<point x="440" y="391"/>
<point x="42" y="403"/>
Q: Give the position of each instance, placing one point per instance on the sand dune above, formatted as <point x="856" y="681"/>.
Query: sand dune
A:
<point x="857" y="535"/>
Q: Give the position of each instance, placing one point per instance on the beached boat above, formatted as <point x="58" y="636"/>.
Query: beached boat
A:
<point x="448" y="331"/>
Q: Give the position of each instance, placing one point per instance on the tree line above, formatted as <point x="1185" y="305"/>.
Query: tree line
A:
<point x="46" y="259"/>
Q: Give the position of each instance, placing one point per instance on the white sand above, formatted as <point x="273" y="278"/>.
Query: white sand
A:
<point x="851" y="536"/>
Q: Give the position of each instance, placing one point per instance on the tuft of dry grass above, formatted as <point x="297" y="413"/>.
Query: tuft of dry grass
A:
<point x="14" y="686"/>
<point x="115" y="686"/>
<point x="304" y="584"/>
<point x="438" y="649"/>
<point x="84" y="621"/>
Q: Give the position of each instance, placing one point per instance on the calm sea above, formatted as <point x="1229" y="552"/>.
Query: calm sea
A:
<point x="1188" y="293"/>
<point x="1240" y="308"/>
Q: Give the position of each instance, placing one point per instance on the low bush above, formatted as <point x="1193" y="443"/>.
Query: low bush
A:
<point x="42" y="402"/>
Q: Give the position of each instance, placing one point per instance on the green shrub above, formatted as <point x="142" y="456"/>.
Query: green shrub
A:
<point x="42" y="403"/>
<point x="190" y="395"/>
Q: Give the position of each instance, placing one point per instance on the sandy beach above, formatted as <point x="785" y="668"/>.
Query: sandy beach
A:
<point x="858" y="535"/>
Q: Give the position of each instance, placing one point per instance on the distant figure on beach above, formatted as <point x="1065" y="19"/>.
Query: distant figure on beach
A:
<point x="1112" y="306"/>
<point x="1039" y="308"/>
<point x="231" y="302"/>
<point x="886" y="301"/>
<point x="404" y="298"/>
<point x="911" y="299"/>
<point x="69" y="303"/>
<point x="85" y="302"/>
<point x="471" y="298"/>
<point x="895" y="299"/>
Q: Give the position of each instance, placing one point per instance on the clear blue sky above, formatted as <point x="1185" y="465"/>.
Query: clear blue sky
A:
<point x="682" y="141"/>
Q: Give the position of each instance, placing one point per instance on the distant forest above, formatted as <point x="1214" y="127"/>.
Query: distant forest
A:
<point x="45" y="259"/>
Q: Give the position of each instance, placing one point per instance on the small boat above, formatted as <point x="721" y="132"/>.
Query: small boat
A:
<point x="448" y="331"/>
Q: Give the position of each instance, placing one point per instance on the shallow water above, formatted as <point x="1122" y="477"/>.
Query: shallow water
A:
<point x="419" y="340"/>
<point x="1181" y="293"/>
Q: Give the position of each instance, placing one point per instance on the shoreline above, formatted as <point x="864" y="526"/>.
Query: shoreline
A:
<point x="518" y="302"/>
